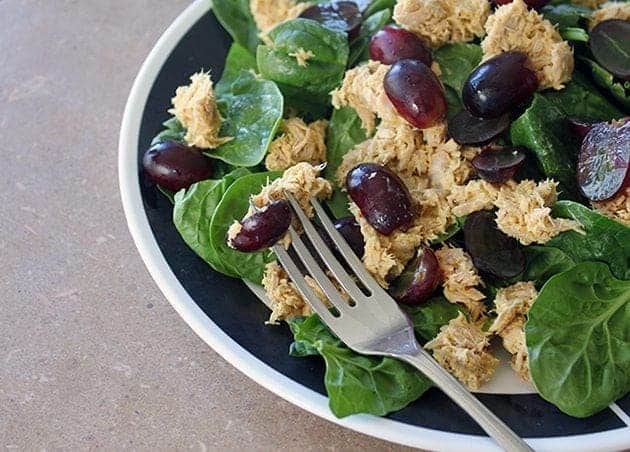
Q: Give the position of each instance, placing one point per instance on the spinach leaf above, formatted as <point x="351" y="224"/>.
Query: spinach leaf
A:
<point x="166" y="192"/>
<point x="543" y="262"/>
<point x="456" y="62"/>
<point x="173" y="131"/>
<point x="357" y="383"/>
<point x="238" y="59"/>
<point x="379" y="5"/>
<point x="453" y="102"/>
<point x="578" y="339"/>
<point x="233" y="206"/>
<point x="324" y="70"/>
<point x="581" y="99"/>
<point x="605" y="240"/>
<point x="620" y="90"/>
<point x="359" y="47"/>
<point x="450" y="231"/>
<point x="237" y="19"/>
<point x="344" y="132"/>
<point x="543" y="130"/>
<point x="429" y="317"/>
<point x="193" y="212"/>
<point x="252" y="110"/>
<point x="575" y="34"/>
<point x="338" y="203"/>
<point x="566" y="15"/>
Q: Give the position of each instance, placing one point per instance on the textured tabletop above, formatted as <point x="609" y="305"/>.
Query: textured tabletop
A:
<point x="91" y="354"/>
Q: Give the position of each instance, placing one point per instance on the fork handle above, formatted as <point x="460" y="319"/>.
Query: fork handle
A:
<point x="486" y="419"/>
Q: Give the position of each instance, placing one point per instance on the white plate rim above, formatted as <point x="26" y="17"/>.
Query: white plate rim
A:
<point x="231" y="351"/>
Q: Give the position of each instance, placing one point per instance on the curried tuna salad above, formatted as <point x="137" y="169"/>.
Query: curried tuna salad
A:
<point x="475" y="156"/>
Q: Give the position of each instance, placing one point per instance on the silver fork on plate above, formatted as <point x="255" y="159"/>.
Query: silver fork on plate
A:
<point x="373" y="324"/>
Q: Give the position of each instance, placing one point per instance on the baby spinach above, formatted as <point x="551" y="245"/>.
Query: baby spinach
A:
<point x="566" y="15"/>
<point x="543" y="130"/>
<point x="237" y="19"/>
<point x="233" y="206"/>
<point x="357" y="383"/>
<point x="379" y="5"/>
<point x="543" y="262"/>
<point x="359" y="47"/>
<point x="322" y="72"/>
<point x="344" y="132"/>
<point x="456" y="62"/>
<point x="193" y="212"/>
<point x="173" y="131"/>
<point x="451" y="231"/>
<point x="606" y="240"/>
<point x="339" y="203"/>
<point x="575" y="34"/>
<point x="252" y="110"/>
<point x="578" y="339"/>
<point x="619" y="89"/>
<point x="430" y="316"/>
<point x="238" y="59"/>
<point x="453" y="102"/>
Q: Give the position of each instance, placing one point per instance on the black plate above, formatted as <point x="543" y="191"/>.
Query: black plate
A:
<point x="230" y="304"/>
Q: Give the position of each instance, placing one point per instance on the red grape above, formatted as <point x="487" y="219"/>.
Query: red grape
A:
<point x="467" y="129"/>
<point x="419" y="280"/>
<point x="416" y="93"/>
<point x="498" y="166"/>
<point x="173" y="165"/>
<point x="337" y="16"/>
<point x="499" y="85"/>
<point x="263" y="228"/>
<point x="610" y="43"/>
<point x="350" y="230"/>
<point x="579" y="127"/>
<point x="381" y="196"/>
<point x="393" y="43"/>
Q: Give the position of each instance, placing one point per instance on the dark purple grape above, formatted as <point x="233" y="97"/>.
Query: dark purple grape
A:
<point x="173" y="165"/>
<point x="393" y="43"/>
<point x="603" y="161"/>
<point x="419" y="279"/>
<point x="263" y="228"/>
<point x="492" y="252"/>
<point x="499" y="85"/>
<point x="580" y="127"/>
<point x="337" y="16"/>
<point x="381" y="196"/>
<point x="536" y="4"/>
<point x="351" y="232"/>
<point x="610" y="43"/>
<point x="498" y="166"/>
<point x="469" y="130"/>
<point x="416" y="93"/>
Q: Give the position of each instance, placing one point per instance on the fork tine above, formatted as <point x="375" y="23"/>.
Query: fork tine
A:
<point x="300" y="282"/>
<point x="329" y="259"/>
<point x="317" y="273"/>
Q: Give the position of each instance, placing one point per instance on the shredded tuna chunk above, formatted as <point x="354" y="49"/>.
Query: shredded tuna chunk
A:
<point x="269" y="13"/>
<point x="610" y="10"/>
<point x="475" y="195"/>
<point x="286" y="301"/>
<point x="511" y="305"/>
<point x="449" y="166"/>
<point x="438" y="22"/>
<point x="298" y="143"/>
<point x="195" y="107"/>
<point x="302" y="56"/>
<point x="362" y="89"/>
<point x="461" y="348"/>
<point x="617" y="208"/>
<point x="525" y="212"/>
<point x="515" y="27"/>
<point x="461" y="279"/>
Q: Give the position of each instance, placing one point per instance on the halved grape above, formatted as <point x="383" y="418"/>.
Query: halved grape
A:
<point x="393" y="43"/>
<point x="492" y="252"/>
<point x="350" y="230"/>
<point x="610" y="43"/>
<point x="499" y="85"/>
<point x="381" y="196"/>
<point x="263" y="228"/>
<point x="467" y="129"/>
<point x="416" y="93"/>
<point x="603" y="161"/>
<point x="337" y="16"/>
<point x="173" y="165"/>
<point x="498" y="166"/>
<point x="580" y="127"/>
<point x="419" y="279"/>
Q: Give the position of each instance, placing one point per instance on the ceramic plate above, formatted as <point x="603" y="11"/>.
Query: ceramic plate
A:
<point x="229" y="317"/>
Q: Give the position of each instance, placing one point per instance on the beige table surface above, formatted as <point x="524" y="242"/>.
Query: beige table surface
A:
<point x="91" y="354"/>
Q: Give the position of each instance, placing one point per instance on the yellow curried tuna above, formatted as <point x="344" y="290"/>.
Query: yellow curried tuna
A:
<point x="610" y="10"/>
<point x="617" y="208"/>
<point x="297" y="143"/>
<point x="269" y="13"/>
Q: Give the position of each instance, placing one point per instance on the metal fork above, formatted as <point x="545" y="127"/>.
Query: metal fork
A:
<point x="373" y="324"/>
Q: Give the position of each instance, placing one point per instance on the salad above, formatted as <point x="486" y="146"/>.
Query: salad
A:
<point x="475" y="155"/>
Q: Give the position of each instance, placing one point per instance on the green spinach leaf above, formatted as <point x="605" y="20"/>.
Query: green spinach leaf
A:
<point x="252" y="110"/>
<point x="566" y="15"/>
<point x="344" y="132"/>
<point x="605" y="240"/>
<point x="453" y="102"/>
<point x="620" y="90"/>
<point x="323" y="71"/>
<point x="167" y="193"/>
<point x="379" y="5"/>
<point x="193" y="212"/>
<point x="339" y="204"/>
<point x="359" y="47"/>
<point x="238" y="59"/>
<point x="430" y="316"/>
<point x="237" y="19"/>
<point x="543" y="262"/>
<point x="173" y="131"/>
<point x="456" y="62"/>
<point x="575" y="34"/>
<point x="233" y="206"/>
<point x="357" y="383"/>
<point x="578" y="339"/>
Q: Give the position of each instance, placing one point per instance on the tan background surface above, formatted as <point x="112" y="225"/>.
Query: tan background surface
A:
<point x="91" y="354"/>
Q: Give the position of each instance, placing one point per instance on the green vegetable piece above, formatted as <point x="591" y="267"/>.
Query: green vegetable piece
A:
<point x="543" y="130"/>
<point x="238" y="59"/>
<point x="359" y="47"/>
<point x="456" y="62"/>
<point x="379" y="5"/>
<point x="339" y="204"/>
<point x="620" y="90"/>
<point x="322" y="72"/>
<point x="606" y="240"/>
<point x="453" y="102"/>
<point x="169" y="194"/>
<point x="252" y="110"/>
<point x="578" y="339"/>
<point x="344" y="132"/>
<point x="566" y="15"/>
<point x="193" y="212"/>
<point x="357" y="383"/>
<point x="237" y="19"/>
<point x="173" y="131"/>
<point x="233" y="206"/>
<point x="450" y="231"/>
<point x="543" y="262"/>
<point x="575" y="34"/>
<point x="430" y="316"/>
